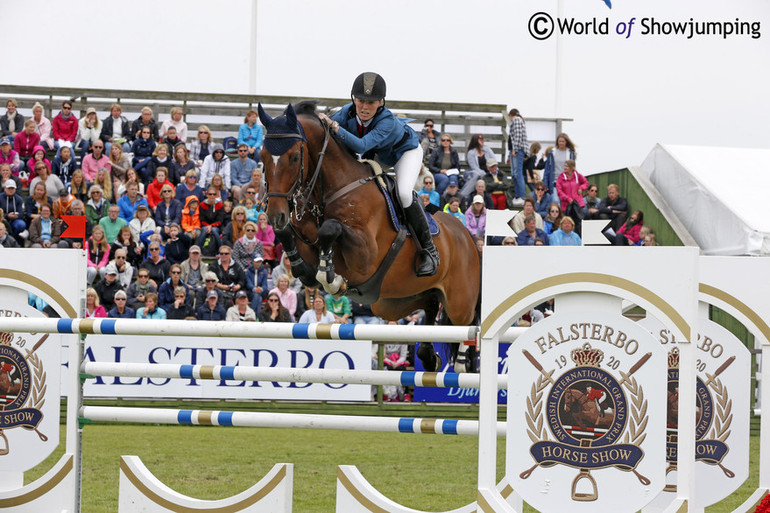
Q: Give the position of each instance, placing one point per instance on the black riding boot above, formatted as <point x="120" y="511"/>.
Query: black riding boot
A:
<point x="427" y="256"/>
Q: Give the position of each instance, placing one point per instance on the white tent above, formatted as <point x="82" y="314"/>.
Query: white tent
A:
<point x="719" y="194"/>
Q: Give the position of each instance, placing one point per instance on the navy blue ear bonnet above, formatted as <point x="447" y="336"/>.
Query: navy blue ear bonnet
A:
<point x="283" y="132"/>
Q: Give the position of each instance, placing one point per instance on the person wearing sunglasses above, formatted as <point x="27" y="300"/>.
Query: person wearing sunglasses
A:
<point x="542" y="199"/>
<point x="121" y="310"/>
<point x="65" y="128"/>
<point x="444" y="163"/>
<point x="429" y="139"/>
<point x="230" y="274"/>
<point x="247" y="246"/>
<point x="477" y="156"/>
<point x="241" y="170"/>
<point x="274" y="311"/>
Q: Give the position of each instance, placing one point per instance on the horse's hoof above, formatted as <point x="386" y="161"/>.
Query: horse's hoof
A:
<point x="431" y="361"/>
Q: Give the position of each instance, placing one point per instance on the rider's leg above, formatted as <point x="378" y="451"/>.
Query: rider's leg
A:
<point x="407" y="170"/>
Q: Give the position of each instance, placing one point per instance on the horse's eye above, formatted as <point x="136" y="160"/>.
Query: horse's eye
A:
<point x="295" y="158"/>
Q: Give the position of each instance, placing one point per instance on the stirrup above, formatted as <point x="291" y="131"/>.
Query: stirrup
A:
<point x="427" y="263"/>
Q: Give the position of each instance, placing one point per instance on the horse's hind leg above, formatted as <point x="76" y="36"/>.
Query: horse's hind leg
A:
<point x="431" y="361"/>
<point x="329" y="232"/>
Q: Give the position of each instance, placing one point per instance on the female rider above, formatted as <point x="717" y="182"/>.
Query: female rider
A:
<point x="368" y="128"/>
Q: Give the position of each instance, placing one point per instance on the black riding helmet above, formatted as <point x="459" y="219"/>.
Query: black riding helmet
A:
<point x="368" y="86"/>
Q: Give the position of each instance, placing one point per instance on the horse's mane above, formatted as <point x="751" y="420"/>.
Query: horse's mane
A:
<point x="308" y="108"/>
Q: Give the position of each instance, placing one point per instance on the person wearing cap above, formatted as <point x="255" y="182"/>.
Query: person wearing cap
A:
<point x="368" y="128"/>
<point x="13" y="207"/>
<point x="476" y="218"/>
<point x="90" y="130"/>
<point x="215" y="164"/>
<point x="9" y="156"/>
<point x="452" y="190"/>
<point x="241" y="311"/>
<point x="211" y="310"/>
<point x="194" y="269"/>
<point x="45" y="230"/>
<point x="499" y="186"/>
<point x="65" y="128"/>
<point x="151" y="310"/>
<point x="108" y="287"/>
<point x="256" y="282"/>
<point x="250" y="133"/>
<point x="121" y="310"/>
<point x="63" y="204"/>
<point x="444" y="163"/>
<point x="142" y="225"/>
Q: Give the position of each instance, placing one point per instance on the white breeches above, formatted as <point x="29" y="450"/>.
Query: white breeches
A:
<point x="407" y="170"/>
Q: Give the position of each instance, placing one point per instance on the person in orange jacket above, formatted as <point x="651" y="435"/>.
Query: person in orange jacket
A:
<point x="191" y="217"/>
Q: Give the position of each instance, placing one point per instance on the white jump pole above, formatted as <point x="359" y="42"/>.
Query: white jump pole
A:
<point x="281" y="374"/>
<point x="283" y="420"/>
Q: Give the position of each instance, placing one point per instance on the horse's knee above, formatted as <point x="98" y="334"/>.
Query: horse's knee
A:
<point x="329" y="231"/>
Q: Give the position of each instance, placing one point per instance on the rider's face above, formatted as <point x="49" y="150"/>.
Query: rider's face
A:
<point x="366" y="109"/>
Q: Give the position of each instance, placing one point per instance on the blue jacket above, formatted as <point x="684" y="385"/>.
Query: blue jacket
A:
<point x="387" y="136"/>
<point x="542" y="207"/>
<point x="250" y="136"/>
<point x="128" y="313"/>
<point x="207" y="314"/>
<point x="12" y="203"/>
<point x="166" y="294"/>
<point x="525" y="239"/>
<point x="550" y="174"/>
<point x="158" y="313"/>
<point x="559" y="238"/>
<point x="142" y="148"/>
<point x="64" y="169"/>
<point x="240" y="171"/>
<point x="261" y="281"/>
<point x="128" y="209"/>
<point x="174" y="213"/>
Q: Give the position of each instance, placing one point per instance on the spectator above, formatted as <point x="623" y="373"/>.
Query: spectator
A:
<point x="45" y="230"/>
<point x="10" y="156"/>
<point x="266" y="236"/>
<point x="26" y="141"/>
<point x="143" y="150"/>
<point x="241" y="310"/>
<point x="258" y="184"/>
<point x="161" y="158"/>
<point x="120" y="163"/>
<point x="256" y="282"/>
<point x="201" y="147"/>
<point x="13" y="208"/>
<point x="171" y="139"/>
<point x="52" y="183"/>
<point x="137" y="291"/>
<point x="339" y="306"/>
<point x="211" y="215"/>
<point x="235" y="229"/>
<point x="215" y="164"/>
<point x="96" y="206"/>
<point x="177" y="245"/>
<point x="531" y="234"/>
<point x="42" y="126"/>
<point x="613" y="207"/>
<point x="240" y="170"/>
<point x="248" y="246"/>
<point x="35" y="201"/>
<point x="180" y="308"/>
<point x="445" y="164"/>
<point x="553" y="219"/>
<point x="116" y="130"/>
<point x="543" y="199"/>
<point x="477" y="156"/>
<point x="160" y="183"/>
<point x="122" y="266"/>
<point x="531" y="164"/>
<point x="476" y="218"/>
<point x="210" y="282"/>
<point x="89" y="131"/>
<point x="499" y="186"/>
<point x="250" y="134"/>
<point x="125" y="240"/>
<point x="156" y="265"/>
<point x="108" y="287"/>
<point x="555" y="160"/>
<point x="628" y="235"/>
<point x="130" y="203"/>
<point x="231" y="277"/>
<point x="167" y="289"/>
<point x="151" y="310"/>
<point x="275" y="311"/>
<point x="191" y="219"/>
<point x="95" y="161"/>
<point x="217" y="182"/>
<point x="429" y="140"/>
<point x="181" y="165"/>
<point x="6" y="174"/>
<point x="78" y="187"/>
<point x="189" y="188"/>
<point x="284" y="268"/>
<point x="509" y="241"/>
<point x="211" y="310"/>
<point x="120" y="310"/>
<point x="6" y="240"/>
<point x="453" y="208"/>
<point x="145" y="120"/>
<point x="61" y="205"/>
<point x="142" y="225"/>
<point x="570" y="186"/>
<point x="64" y="165"/>
<point x="517" y="223"/>
<point x="97" y="253"/>
<point x="77" y="208"/>
<point x="480" y="189"/>
<point x="176" y="122"/>
<point x="38" y="155"/>
<point x="565" y="235"/>
<point x="650" y="240"/>
<point x="93" y="308"/>
<point x="427" y="188"/>
<point x="131" y="176"/>
<point x="592" y="201"/>
<point x="518" y="145"/>
<point x="287" y="296"/>
<point x="65" y="128"/>
<point x="168" y="211"/>
<point x="112" y="223"/>
<point x="362" y="314"/>
<point x="12" y="122"/>
<point x="318" y="313"/>
<point x="194" y="269"/>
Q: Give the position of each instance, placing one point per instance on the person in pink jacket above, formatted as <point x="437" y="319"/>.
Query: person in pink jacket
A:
<point x="92" y="162"/>
<point x="42" y="126"/>
<point x="570" y="186"/>
<point x="65" y="127"/>
<point x="628" y="235"/>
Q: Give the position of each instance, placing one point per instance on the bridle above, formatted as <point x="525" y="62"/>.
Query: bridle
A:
<point x="298" y="196"/>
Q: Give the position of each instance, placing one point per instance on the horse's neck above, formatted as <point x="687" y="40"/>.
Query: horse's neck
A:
<point x="341" y="168"/>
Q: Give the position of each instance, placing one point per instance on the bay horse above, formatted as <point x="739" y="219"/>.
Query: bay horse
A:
<point x="333" y="222"/>
<point x="584" y="411"/>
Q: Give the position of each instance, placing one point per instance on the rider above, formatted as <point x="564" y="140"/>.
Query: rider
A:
<point x="368" y="128"/>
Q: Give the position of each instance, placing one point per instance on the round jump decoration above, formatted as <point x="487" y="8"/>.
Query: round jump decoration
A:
<point x="591" y="391"/>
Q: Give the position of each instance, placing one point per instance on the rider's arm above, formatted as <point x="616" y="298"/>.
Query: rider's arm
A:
<point x="372" y="140"/>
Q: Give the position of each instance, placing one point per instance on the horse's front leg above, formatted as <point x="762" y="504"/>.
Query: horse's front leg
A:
<point x="329" y="232"/>
<point x="299" y="267"/>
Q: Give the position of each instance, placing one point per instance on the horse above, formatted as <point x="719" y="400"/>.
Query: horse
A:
<point x="332" y="220"/>
<point x="585" y="411"/>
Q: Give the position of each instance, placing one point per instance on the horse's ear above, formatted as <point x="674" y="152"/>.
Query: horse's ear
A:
<point x="291" y="116"/>
<point x="264" y="117"/>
